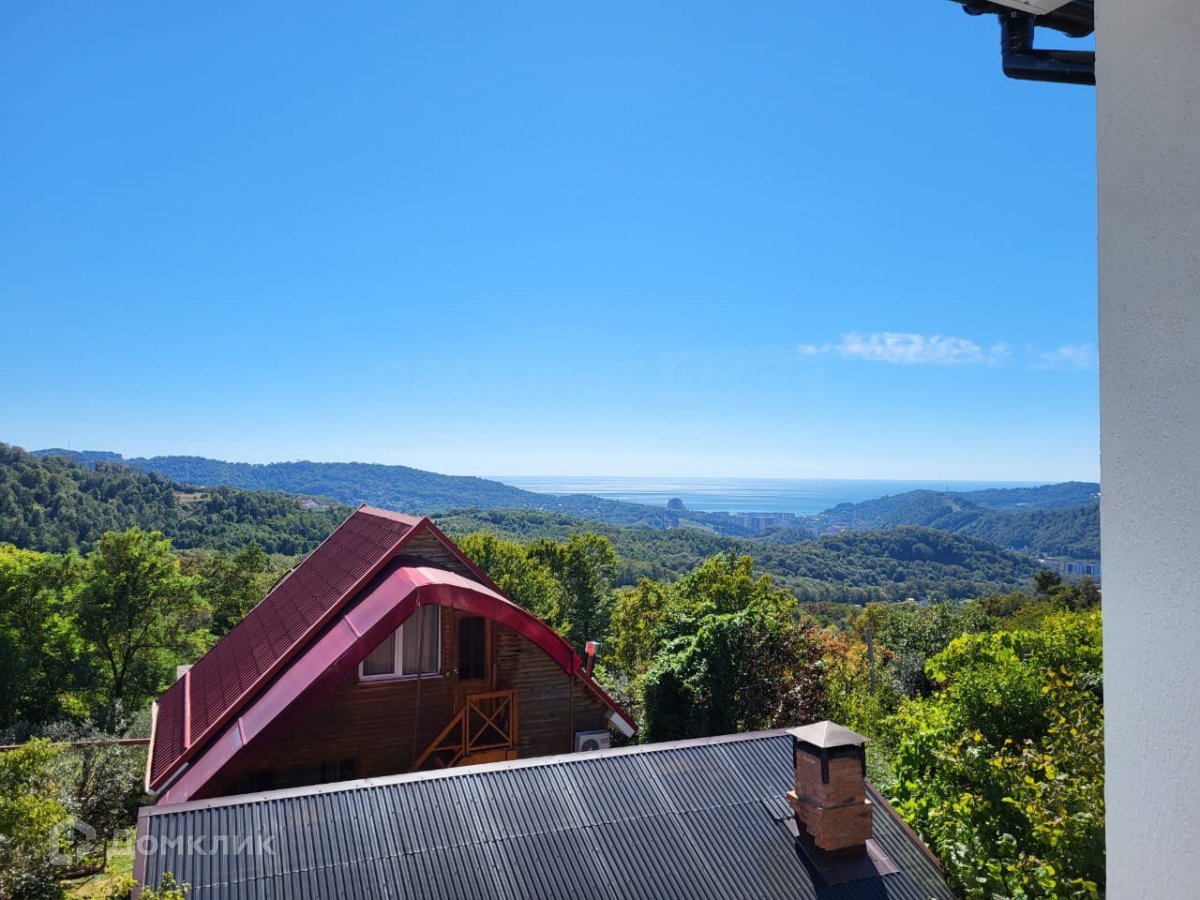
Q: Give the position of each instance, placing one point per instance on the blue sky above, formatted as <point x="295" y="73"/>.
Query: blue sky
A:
<point x="784" y="239"/>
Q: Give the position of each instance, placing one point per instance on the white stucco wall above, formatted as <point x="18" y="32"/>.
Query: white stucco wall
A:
<point x="1148" y="136"/>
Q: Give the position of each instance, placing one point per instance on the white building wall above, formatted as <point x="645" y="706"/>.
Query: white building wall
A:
<point x="1148" y="136"/>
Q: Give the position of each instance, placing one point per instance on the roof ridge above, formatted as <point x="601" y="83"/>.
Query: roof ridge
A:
<point x="382" y="513"/>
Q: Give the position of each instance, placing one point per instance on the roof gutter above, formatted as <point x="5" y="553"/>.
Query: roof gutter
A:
<point x="1021" y="61"/>
<point x="1019" y="18"/>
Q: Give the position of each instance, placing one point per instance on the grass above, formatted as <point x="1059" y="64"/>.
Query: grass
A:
<point x="94" y="887"/>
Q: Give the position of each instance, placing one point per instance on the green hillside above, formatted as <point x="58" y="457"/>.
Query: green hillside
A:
<point x="403" y="489"/>
<point x="853" y="567"/>
<point x="1027" y="519"/>
<point x="58" y="505"/>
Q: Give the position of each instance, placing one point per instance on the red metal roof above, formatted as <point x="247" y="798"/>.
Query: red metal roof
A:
<point x="227" y="681"/>
<point x="196" y="705"/>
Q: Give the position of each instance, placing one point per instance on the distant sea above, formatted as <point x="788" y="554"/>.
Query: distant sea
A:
<point x="803" y="496"/>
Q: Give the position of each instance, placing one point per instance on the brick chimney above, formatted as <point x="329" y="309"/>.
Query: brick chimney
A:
<point x="830" y="799"/>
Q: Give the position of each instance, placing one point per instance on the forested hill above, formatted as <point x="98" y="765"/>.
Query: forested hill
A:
<point x="1041" y="520"/>
<point x="1064" y="495"/>
<point x="401" y="488"/>
<point x="857" y="566"/>
<point x="58" y="505"/>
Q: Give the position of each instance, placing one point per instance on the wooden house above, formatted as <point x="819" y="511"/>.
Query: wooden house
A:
<point x="386" y="651"/>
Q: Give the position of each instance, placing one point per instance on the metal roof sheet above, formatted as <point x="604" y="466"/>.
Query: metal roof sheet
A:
<point x="690" y="819"/>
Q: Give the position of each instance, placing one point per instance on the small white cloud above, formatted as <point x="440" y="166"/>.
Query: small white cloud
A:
<point x="911" y="348"/>
<point x="814" y="349"/>
<point x="1066" y="356"/>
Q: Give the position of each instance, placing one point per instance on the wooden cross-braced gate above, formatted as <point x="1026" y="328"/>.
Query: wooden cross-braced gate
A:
<point x="484" y="730"/>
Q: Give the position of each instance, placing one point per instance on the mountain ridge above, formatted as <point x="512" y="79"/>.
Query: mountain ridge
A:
<point x="1048" y="520"/>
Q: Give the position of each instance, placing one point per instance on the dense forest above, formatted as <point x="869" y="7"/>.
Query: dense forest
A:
<point x="1044" y="523"/>
<point x="851" y="567"/>
<point x="1048" y="520"/>
<point x="403" y="489"/>
<point x="58" y="505"/>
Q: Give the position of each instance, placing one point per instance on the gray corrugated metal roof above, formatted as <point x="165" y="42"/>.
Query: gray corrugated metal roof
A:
<point x="690" y="819"/>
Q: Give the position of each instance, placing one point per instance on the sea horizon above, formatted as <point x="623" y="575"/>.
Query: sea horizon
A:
<point x="802" y="496"/>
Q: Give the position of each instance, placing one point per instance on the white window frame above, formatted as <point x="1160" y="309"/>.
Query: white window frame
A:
<point x="398" y="654"/>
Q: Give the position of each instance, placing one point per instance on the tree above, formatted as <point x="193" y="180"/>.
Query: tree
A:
<point x="38" y="650"/>
<point x="101" y="781"/>
<point x="1002" y="769"/>
<point x="526" y="581"/>
<point x="1046" y="580"/>
<point x="30" y="808"/>
<point x="636" y="621"/>
<point x="137" y="616"/>
<point x="722" y="651"/>
<point x="585" y="567"/>
<point x="233" y="583"/>
<point x="740" y="671"/>
<point x="912" y="634"/>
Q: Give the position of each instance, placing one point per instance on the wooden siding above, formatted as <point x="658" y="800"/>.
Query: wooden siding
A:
<point x="369" y="726"/>
<point x="423" y="548"/>
<point x="544" y="696"/>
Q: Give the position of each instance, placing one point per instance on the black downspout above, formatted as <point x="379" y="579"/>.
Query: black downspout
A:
<point x="1023" y="62"/>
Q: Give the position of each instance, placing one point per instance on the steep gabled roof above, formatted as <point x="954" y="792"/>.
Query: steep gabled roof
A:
<point x="278" y="632"/>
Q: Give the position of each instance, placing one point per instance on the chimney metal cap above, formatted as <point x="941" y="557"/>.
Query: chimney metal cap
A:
<point x="827" y="735"/>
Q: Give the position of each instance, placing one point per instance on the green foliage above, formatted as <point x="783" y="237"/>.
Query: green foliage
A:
<point x="1057" y="519"/>
<point x="740" y="671"/>
<point x="526" y="581"/>
<point x="30" y="808"/>
<point x="1001" y="770"/>
<point x="717" y="652"/>
<point x="57" y="504"/>
<point x="911" y="635"/>
<point x="84" y="638"/>
<point x="568" y="584"/>
<point x="234" y="582"/>
<point x="47" y="787"/>
<point x="167" y="889"/>
<point x="637" y="618"/>
<point x="584" y="567"/>
<point x="856" y="567"/>
<point x="136" y="617"/>
<point x="39" y="654"/>
<point x="101" y="781"/>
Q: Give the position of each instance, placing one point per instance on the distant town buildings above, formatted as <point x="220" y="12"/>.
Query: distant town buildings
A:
<point x="761" y="521"/>
<point x="1071" y="567"/>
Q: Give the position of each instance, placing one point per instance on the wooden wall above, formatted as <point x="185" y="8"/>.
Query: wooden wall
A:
<point x="370" y="725"/>
<point x="544" y="697"/>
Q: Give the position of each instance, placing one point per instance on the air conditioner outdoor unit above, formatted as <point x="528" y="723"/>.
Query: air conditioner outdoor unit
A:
<point x="591" y="740"/>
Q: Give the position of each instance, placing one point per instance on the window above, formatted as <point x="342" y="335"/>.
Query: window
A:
<point x="472" y="647"/>
<point x="415" y="647"/>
